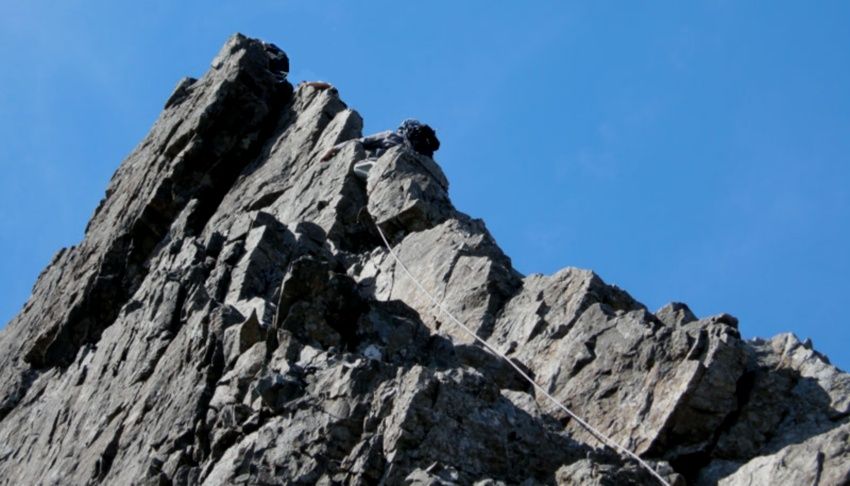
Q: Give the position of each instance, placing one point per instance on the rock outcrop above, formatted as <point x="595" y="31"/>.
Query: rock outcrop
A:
<point x="232" y="317"/>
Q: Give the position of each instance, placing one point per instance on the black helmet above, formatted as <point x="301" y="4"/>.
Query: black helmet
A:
<point x="422" y="138"/>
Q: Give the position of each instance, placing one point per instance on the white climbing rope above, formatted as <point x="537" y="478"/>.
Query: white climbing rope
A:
<point x="602" y="438"/>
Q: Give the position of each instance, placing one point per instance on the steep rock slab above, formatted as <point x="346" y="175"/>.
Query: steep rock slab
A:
<point x="457" y="262"/>
<point x="290" y="183"/>
<point x="192" y="153"/>
<point x="662" y="390"/>
<point x="408" y="192"/>
<point x="133" y="391"/>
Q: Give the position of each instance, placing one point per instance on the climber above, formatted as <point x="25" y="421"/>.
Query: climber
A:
<point x="412" y="133"/>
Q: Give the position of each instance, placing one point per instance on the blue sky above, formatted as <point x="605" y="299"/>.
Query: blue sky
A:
<point x="683" y="151"/>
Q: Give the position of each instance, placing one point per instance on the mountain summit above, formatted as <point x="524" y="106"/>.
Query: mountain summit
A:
<point x="232" y="316"/>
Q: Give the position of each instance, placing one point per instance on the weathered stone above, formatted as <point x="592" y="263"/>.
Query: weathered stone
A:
<point x="675" y="314"/>
<point x="408" y="192"/>
<point x="232" y="317"/>
<point x="618" y="366"/>
<point x="458" y="263"/>
<point x="821" y="459"/>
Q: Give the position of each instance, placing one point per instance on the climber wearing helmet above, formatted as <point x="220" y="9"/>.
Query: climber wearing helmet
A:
<point x="412" y="133"/>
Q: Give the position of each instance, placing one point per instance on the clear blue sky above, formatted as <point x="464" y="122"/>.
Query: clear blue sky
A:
<point x="685" y="151"/>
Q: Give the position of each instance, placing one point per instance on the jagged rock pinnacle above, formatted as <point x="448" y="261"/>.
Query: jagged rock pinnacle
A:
<point x="232" y="317"/>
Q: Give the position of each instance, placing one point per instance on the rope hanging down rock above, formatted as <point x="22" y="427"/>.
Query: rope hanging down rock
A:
<point x="602" y="438"/>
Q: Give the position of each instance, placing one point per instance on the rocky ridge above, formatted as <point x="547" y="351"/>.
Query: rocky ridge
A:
<point x="232" y="317"/>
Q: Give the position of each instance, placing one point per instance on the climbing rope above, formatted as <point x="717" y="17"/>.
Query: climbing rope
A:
<point x="602" y="438"/>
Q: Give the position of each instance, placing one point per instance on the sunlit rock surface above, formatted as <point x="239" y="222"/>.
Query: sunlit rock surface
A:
<point x="232" y="317"/>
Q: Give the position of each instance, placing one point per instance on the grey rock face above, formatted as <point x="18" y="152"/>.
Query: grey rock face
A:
<point x="662" y="390"/>
<point x="407" y="192"/>
<point x="232" y="317"/>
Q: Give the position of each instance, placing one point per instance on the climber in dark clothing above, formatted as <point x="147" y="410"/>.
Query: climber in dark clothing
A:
<point x="421" y="137"/>
<point x="414" y="134"/>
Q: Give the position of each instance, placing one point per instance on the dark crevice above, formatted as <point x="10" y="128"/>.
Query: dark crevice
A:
<point x="107" y="457"/>
<point x="314" y="291"/>
<point x="501" y="288"/>
<point x="53" y="427"/>
<point x="360" y="234"/>
<point x="690" y="465"/>
<point x="354" y="230"/>
<point x="265" y="200"/>
<point x="223" y="175"/>
<point x="819" y="463"/>
<point x="581" y="362"/>
<point x="542" y="323"/>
